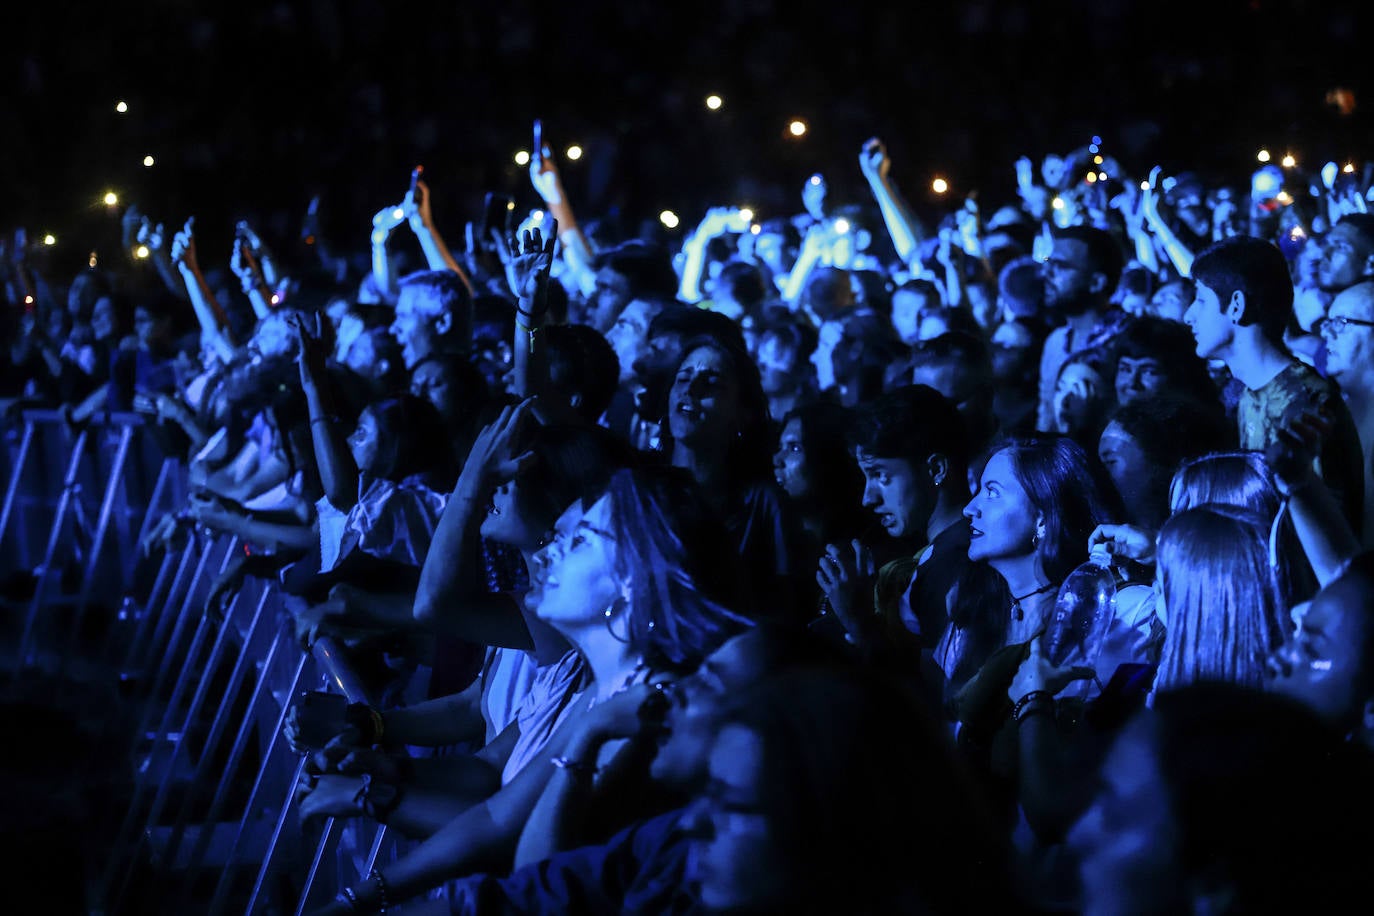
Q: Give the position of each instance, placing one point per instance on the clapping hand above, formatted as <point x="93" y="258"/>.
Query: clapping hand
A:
<point x="846" y="578"/>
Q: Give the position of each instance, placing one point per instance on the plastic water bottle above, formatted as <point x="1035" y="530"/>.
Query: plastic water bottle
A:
<point x="1083" y="610"/>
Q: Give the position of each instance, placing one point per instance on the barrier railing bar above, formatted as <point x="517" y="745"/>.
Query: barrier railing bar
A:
<point x="245" y="731"/>
<point x="44" y="570"/>
<point x="16" y="479"/>
<point x="222" y="888"/>
<point x="217" y="728"/>
<point x="126" y="436"/>
<point x="327" y="839"/>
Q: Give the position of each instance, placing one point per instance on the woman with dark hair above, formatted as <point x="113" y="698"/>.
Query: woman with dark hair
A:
<point x="718" y="430"/>
<point x="643" y="583"/>
<point x="815" y="467"/>
<point x="1083" y="396"/>
<point x="1038" y="502"/>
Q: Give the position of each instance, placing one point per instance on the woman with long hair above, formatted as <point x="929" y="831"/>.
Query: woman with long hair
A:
<point x="719" y="431"/>
<point x="1037" y="502"/>
<point x="1219" y="597"/>
<point x="643" y="583"/>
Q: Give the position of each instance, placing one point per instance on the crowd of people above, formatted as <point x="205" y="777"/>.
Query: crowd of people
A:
<point x="746" y="574"/>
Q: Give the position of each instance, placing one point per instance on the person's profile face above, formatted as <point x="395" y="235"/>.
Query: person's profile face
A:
<point x="1126" y="840"/>
<point x="578" y="567"/>
<point x="733" y="856"/>
<point x="1001" y="516"/>
<point x="364" y="444"/>
<point x="414" y="328"/>
<point x="896" y="494"/>
<point x="1212" y="329"/>
<point x="1320" y="664"/>
<point x="789" y="462"/>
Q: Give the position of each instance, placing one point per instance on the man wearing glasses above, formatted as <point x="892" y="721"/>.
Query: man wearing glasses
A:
<point x="1349" y="333"/>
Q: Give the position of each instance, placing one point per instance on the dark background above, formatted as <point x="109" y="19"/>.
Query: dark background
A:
<point x="251" y="108"/>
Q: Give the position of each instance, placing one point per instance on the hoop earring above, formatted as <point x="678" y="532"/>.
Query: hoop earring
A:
<point x="606" y="615"/>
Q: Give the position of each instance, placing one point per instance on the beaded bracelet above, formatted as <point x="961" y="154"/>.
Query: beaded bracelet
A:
<point x="383" y="892"/>
<point x="349" y="896"/>
<point x="1034" y="702"/>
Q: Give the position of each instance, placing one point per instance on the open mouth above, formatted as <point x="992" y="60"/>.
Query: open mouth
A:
<point x="974" y="532"/>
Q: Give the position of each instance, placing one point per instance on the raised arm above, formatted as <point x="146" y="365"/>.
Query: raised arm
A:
<point x="1179" y="253"/>
<point x="209" y="313"/>
<point x="452" y="595"/>
<point x="1321" y="526"/>
<point x="528" y="262"/>
<point x="418" y="213"/>
<point x="246" y="266"/>
<point x="338" y="472"/>
<point x="717" y="221"/>
<point x="577" y="249"/>
<point x="902" y="223"/>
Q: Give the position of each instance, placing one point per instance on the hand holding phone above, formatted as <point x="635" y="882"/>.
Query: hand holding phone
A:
<point x="315" y="719"/>
<point x="415" y="174"/>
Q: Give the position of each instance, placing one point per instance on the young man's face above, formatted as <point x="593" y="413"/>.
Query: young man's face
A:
<point x="415" y="329"/>
<point x="1212" y="328"/>
<point x="896" y="494"/>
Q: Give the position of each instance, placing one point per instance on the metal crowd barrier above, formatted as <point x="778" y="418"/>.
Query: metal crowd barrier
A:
<point x="211" y="823"/>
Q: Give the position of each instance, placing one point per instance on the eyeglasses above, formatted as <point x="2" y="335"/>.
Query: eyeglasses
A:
<point x="1334" y="327"/>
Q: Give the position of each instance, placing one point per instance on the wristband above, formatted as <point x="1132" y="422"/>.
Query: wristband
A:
<point x="1032" y="703"/>
<point x="575" y="767"/>
<point x="368" y="721"/>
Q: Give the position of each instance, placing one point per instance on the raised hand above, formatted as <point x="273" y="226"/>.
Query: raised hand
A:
<point x="1149" y="197"/>
<point x="492" y="456"/>
<point x="528" y="261"/>
<point x="874" y="161"/>
<point x="153" y="236"/>
<point x="416" y="206"/>
<point x="543" y="170"/>
<point x="312" y="350"/>
<point x="184" y="246"/>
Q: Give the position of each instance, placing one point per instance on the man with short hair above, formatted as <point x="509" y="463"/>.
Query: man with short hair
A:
<point x="1243" y="301"/>
<point x="1347" y="253"/>
<point x="1081" y="274"/>
<point x="1349" y="332"/>
<point x="433" y="315"/>
<point x="912" y="448"/>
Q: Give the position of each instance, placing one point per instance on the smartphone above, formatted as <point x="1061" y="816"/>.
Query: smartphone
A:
<point x="319" y="717"/>
<point x="496" y="214"/>
<point x="415" y="174"/>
